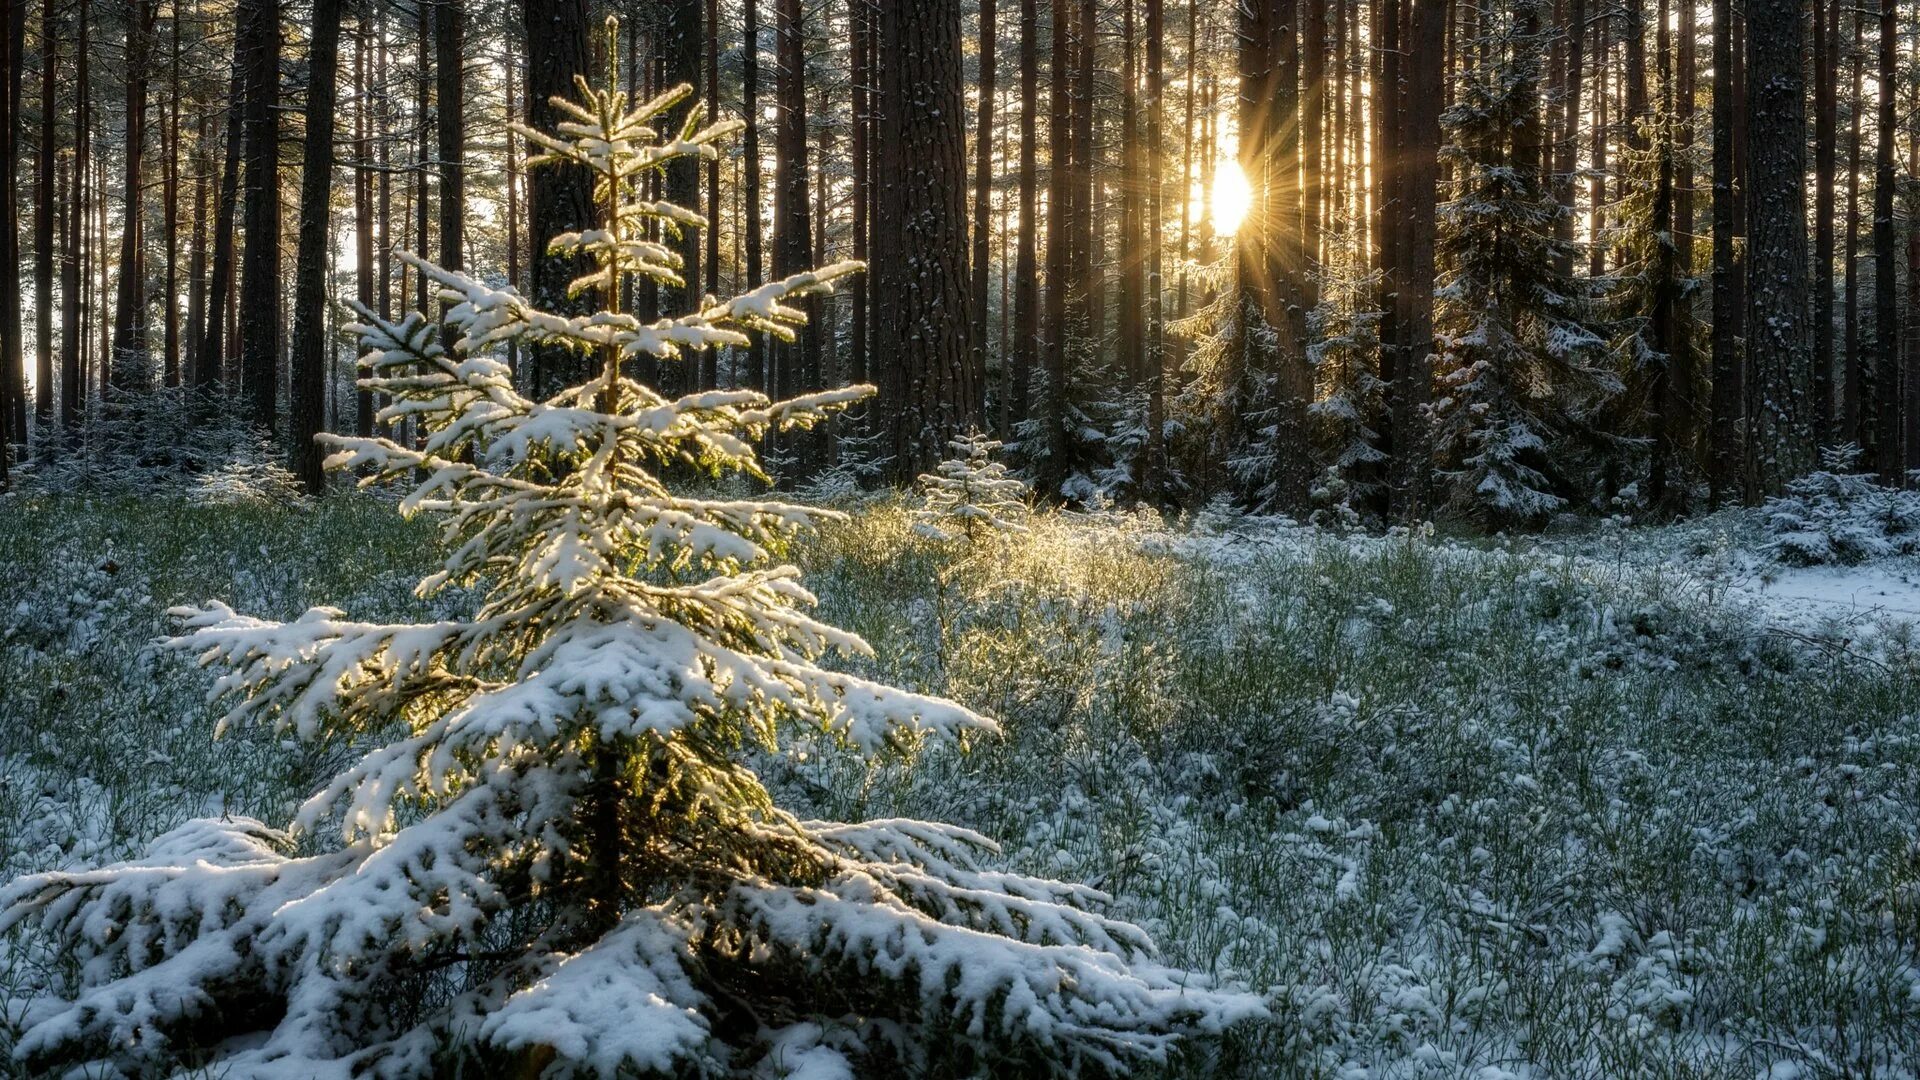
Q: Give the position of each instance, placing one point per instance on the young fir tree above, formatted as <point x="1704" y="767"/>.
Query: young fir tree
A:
<point x="1522" y="371"/>
<point x="557" y="857"/>
<point x="1350" y="399"/>
<point x="971" y="495"/>
<point x="1646" y="430"/>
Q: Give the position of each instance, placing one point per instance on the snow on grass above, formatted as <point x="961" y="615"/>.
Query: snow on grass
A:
<point x="1604" y="805"/>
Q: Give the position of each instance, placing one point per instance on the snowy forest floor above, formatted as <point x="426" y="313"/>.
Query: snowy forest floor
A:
<point x="1636" y="802"/>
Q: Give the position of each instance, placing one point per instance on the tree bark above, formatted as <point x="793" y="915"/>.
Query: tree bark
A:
<point x="982" y="215"/>
<point x="1825" y="73"/>
<point x="920" y="257"/>
<point x="1780" y="342"/>
<point x="1888" y="455"/>
<point x="449" y="56"/>
<point x="757" y="354"/>
<point x="46" y="201"/>
<point x="127" y="363"/>
<point x="258" y="39"/>
<point x="559" y="197"/>
<point x="1026" y="284"/>
<point x="308" y="404"/>
<point x="1411" y="471"/>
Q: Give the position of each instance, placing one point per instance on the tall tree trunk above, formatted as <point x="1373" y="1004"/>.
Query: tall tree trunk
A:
<point x="1672" y="378"/>
<point x="1026" y="283"/>
<point x="1780" y="342"/>
<point x="258" y="38"/>
<point x="1852" y="385"/>
<point x="1411" y="475"/>
<point x="1887" y="422"/>
<point x="1402" y="442"/>
<point x="758" y="357"/>
<point x="559" y="197"/>
<point x="1825" y="73"/>
<point x="1153" y="464"/>
<point x="211" y="369"/>
<point x="449" y="55"/>
<point x="13" y="390"/>
<point x="46" y="201"/>
<point x="1060" y="253"/>
<point x="1294" y="471"/>
<point x="311" y="345"/>
<point x="73" y="387"/>
<point x="710" y="358"/>
<point x="677" y="46"/>
<point x="127" y="362"/>
<point x="1313" y="111"/>
<point x="1568" y="137"/>
<point x="920" y="258"/>
<point x="798" y="363"/>
<point x="1129" y="322"/>
<point x="982" y="216"/>
<point x="170" y="199"/>
<point x="1724" y="472"/>
<point x="363" y="197"/>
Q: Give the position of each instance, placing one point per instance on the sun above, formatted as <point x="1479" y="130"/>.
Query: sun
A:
<point x="1232" y="198"/>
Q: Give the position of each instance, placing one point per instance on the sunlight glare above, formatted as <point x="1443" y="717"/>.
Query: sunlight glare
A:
<point x="1232" y="198"/>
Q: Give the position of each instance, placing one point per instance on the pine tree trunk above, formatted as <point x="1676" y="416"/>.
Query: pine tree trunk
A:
<point x="449" y="49"/>
<point x="982" y="217"/>
<point x="1780" y="343"/>
<point x="1597" y="246"/>
<point x="757" y="354"/>
<point x="1313" y="111"/>
<point x="1129" y="323"/>
<point x="12" y="372"/>
<point x="1400" y="443"/>
<point x="73" y="389"/>
<point x="170" y="199"/>
<point x="798" y="363"/>
<point x="1026" y="279"/>
<point x="1293" y="472"/>
<point x="126" y="363"/>
<point x="1153" y="464"/>
<point x="709" y="359"/>
<point x="920" y="258"/>
<point x="1852" y="386"/>
<point x="678" y="48"/>
<point x="308" y="404"/>
<point x="258" y="39"/>
<point x="1060" y="255"/>
<point x="46" y="202"/>
<point x="1568" y="138"/>
<point x="1411" y="476"/>
<point x="1665" y="491"/>
<point x="363" y="199"/>
<point x="1888" y="455"/>
<point x="1724" y="472"/>
<point x="559" y="197"/>
<point x="1825" y="72"/>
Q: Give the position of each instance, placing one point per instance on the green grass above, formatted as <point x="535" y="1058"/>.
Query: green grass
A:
<point x="1463" y="812"/>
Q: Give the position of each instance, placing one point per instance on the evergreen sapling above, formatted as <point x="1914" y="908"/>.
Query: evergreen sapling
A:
<point x="554" y="855"/>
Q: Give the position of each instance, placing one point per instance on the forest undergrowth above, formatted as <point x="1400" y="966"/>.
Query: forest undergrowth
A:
<point x="1459" y="808"/>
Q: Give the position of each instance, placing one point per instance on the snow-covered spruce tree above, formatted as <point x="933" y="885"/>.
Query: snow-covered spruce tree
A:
<point x="557" y="858"/>
<point x="1349" y="399"/>
<point x="1841" y="515"/>
<point x="1648" y="426"/>
<point x="970" y="495"/>
<point x="1522" y="369"/>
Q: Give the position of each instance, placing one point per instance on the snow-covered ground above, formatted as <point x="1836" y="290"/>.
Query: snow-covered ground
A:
<point x="1631" y="802"/>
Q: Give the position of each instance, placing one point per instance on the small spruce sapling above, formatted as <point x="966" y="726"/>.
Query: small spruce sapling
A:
<point x="555" y="856"/>
<point x="970" y="495"/>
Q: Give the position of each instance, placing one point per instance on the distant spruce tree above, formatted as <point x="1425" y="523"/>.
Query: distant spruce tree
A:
<point x="1523" y="367"/>
<point x="556" y="857"/>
